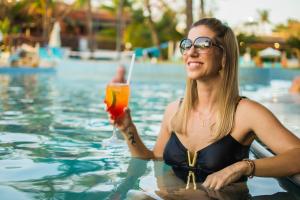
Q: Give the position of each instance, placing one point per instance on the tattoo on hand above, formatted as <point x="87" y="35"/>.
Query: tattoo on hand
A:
<point x="131" y="138"/>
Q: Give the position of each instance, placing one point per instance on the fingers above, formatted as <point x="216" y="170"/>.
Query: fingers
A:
<point x="213" y="182"/>
<point x="126" y="110"/>
<point x="218" y="186"/>
<point x="207" y="182"/>
<point x="123" y="120"/>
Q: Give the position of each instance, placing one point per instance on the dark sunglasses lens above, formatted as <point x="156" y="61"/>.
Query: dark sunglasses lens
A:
<point x="202" y="43"/>
<point x="185" y="44"/>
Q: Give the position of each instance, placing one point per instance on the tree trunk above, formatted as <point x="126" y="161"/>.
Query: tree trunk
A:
<point x="89" y="25"/>
<point x="45" y="23"/>
<point x="119" y="29"/>
<point x="202" y="9"/>
<point x="189" y="14"/>
<point x="154" y="34"/>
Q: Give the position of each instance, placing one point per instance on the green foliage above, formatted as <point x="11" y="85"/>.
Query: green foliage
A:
<point x="11" y="15"/>
<point x="113" y="8"/>
<point x="263" y="16"/>
<point x="18" y="8"/>
<point x="167" y="27"/>
<point x="139" y="34"/>
<point x="107" y="34"/>
<point x="291" y="29"/>
<point x="244" y="41"/>
<point x="294" y="42"/>
<point x="5" y="26"/>
<point x="39" y="6"/>
<point x="15" y="29"/>
<point x="80" y="3"/>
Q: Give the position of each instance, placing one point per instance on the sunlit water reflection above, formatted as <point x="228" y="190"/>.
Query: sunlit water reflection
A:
<point x="52" y="127"/>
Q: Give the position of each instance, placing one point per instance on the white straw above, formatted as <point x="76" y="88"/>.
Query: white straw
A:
<point x="130" y="68"/>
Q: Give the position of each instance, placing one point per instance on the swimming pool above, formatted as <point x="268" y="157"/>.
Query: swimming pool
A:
<point x="52" y="125"/>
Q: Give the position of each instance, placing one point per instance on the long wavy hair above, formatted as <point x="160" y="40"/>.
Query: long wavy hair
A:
<point x="228" y="94"/>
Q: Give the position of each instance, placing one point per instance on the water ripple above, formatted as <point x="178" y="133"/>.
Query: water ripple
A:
<point x="52" y="129"/>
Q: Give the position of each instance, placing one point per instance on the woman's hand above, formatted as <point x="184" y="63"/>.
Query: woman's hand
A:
<point x="234" y="191"/>
<point x="125" y="124"/>
<point x="123" y="121"/>
<point x="226" y="176"/>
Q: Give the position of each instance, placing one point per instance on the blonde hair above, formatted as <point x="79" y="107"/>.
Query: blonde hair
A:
<point x="229" y="92"/>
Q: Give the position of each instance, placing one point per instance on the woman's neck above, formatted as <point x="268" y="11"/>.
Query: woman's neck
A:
<point x="207" y="94"/>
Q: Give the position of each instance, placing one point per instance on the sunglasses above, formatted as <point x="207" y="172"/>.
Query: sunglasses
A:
<point x="201" y="45"/>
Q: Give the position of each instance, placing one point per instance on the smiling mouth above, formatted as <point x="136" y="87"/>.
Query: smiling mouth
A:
<point x="195" y="64"/>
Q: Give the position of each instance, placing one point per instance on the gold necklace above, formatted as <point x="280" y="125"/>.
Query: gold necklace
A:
<point x="206" y="121"/>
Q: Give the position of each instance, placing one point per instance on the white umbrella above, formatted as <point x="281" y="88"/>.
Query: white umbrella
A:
<point x="54" y="40"/>
<point x="269" y="52"/>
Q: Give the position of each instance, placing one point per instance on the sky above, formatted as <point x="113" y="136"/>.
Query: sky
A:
<point x="235" y="12"/>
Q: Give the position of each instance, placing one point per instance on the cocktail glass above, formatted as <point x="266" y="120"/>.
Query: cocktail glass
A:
<point x="116" y="99"/>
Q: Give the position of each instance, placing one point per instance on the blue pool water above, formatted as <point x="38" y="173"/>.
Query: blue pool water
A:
<point x="52" y="126"/>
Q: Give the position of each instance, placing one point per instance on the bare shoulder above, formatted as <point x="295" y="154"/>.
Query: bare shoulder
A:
<point x="254" y="116"/>
<point x="170" y="111"/>
<point x="173" y="106"/>
<point x="249" y="113"/>
<point x="250" y="107"/>
<point x="248" y="103"/>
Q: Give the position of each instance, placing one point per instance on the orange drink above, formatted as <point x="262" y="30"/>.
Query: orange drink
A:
<point x="116" y="98"/>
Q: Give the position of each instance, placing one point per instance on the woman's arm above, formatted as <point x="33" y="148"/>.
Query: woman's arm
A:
<point x="280" y="140"/>
<point x="254" y="117"/>
<point x="135" y="144"/>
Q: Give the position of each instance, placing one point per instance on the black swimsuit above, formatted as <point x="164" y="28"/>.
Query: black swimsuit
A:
<point x="208" y="160"/>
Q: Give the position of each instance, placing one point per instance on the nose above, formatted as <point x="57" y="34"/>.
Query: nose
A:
<point x="192" y="51"/>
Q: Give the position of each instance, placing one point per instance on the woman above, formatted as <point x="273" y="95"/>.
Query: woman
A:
<point x="206" y="135"/>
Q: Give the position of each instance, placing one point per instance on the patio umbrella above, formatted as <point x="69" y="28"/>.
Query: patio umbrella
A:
<point x="269" y="52"/>
<point x="54" y="40"/>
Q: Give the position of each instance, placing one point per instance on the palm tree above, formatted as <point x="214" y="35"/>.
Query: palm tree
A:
<point x="263" y="19"/>
<point x="44" y="8"/>
<point x="189" y="14"/>
<point x="89" y="21"/>
<point x="263" y="16"/>
<point x="151" y="25"/>
<point x="118" y="8"/>
<point x="202" y="9"/>
<point x="10" y="12"/>
<point x="119" y="29"/>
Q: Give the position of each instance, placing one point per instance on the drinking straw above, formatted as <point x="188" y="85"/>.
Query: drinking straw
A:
<point x="130" y="68"/>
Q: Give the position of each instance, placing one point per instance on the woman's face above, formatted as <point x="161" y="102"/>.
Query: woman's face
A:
<point x="199" y="65"/>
